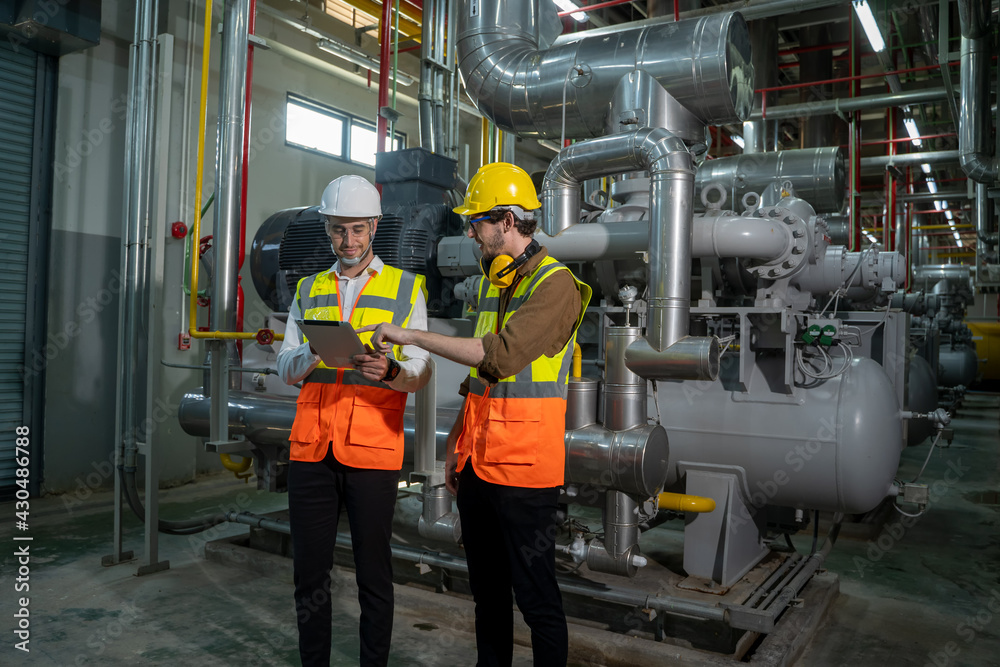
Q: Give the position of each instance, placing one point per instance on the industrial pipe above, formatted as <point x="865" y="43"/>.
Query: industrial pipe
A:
<point x="865" y="103"/>
<point x="703" y="63"/>
<point x="975" y="116"/>
<point x="671" y="175"/>
<point x="909" y="159"/>
<point x="664" y="603"/>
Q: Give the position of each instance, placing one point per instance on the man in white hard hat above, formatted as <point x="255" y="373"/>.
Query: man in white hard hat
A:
<point x="347" y="439"/>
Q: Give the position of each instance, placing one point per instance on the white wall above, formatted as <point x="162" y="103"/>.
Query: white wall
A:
<point x="90" y="148"/>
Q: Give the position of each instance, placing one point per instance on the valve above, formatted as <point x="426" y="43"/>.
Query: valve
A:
<point x="265" y="336"/>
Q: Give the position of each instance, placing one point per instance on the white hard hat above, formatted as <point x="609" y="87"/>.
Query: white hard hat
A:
<point x="351" y="197"/>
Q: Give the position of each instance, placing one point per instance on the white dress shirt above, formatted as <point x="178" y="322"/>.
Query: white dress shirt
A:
<point x="296" y="361"/>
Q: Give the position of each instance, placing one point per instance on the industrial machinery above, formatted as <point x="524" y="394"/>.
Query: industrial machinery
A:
<point x="725" y="384"/>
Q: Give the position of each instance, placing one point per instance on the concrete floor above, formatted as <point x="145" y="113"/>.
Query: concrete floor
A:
<point x="913" y="592"/>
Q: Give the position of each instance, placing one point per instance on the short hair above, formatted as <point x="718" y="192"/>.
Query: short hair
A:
<point x="525" y="222"/>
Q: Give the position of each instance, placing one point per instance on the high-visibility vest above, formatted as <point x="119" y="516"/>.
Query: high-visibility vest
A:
<point x="361" y="419"/>
<point x="514" y="431"/>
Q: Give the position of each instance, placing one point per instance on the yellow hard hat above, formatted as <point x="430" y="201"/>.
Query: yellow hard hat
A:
<point x="499" y="184"/>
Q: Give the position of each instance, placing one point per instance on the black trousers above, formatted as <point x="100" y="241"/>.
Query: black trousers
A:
<point x="316" y="494"/>
<point x="509" y="535"/>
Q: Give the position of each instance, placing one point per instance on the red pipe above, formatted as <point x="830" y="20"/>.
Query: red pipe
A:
<point x="903" y="140"/>
<point x="600" y="5"/>
<point x="805" y="49"/>
<point x="251" y="24"/>
<point x="856" y="77"/>
<point x="385" y="40"/>
<point x="677" y="10"/>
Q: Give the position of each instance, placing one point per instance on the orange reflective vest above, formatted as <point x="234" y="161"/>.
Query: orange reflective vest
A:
<point x="514" y="431"/>
<point x="337" y="407"/>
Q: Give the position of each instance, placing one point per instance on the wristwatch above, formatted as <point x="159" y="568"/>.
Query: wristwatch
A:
<point x="392" y="371"/>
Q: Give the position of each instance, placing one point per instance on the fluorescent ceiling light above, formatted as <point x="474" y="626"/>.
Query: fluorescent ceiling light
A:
<point x="870" y="237"/>
<point x="932" y="186"/>
<point x="926" y="168"/>
<point x="959" y="241"/>
<point x="911" y="129"/>
<point x="569" y="6"/>
<point x="738" y="140"/>
<point x="868" y="22"/>
<point x="359" y="58"/>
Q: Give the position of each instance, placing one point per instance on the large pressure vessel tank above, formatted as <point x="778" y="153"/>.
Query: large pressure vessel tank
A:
<point x="958" y="366"/>
<point x="834" y="446"/>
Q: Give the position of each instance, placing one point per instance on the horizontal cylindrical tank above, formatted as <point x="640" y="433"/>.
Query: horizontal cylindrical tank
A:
<point x="633" y="461"/>
<point x="834" y="446"/>
<point x="817" y="175"/>
<point x="958" y="365"/>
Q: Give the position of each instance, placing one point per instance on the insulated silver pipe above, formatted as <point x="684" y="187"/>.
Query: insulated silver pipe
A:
<point x="759" y="9"/>
<point x="703" y="63"/>
<point x="229" y="163"/>
<point x="228" y="188"/>
<point x="845" y="105"/>
<point x="982" y="203"/>
<point x="909" y="159"/>
<point x="671" y="200"/>
<point x="425" y="110"/>
<point x="976" y="157"/>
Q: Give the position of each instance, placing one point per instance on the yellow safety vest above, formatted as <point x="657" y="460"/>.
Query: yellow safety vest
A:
<point x="361" y="419"/>
<point x="514" y="431"/>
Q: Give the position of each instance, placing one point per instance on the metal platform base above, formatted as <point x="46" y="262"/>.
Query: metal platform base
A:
<point x="444" y="600"/>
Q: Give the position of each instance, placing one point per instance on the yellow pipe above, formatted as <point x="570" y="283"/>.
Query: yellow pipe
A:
<point x="945" y="227"/>
<point x="577" y="360"/>
<point x="206" y="50"/>
<point x="237" y="469"/>
<point x="956" y="254"/>
<point x="409" y="26"/>
<point x="196" y="225"/>
<point x="681" y="502"/>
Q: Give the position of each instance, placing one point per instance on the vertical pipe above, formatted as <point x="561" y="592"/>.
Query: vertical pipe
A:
<point x="228" y="179"/>
<point x="251" y="27"/>
<point x="425" y="96"/>
<point x="671" y="199"/>
<point x="385" y="44"/>
<point x="621" y="523"/>
<point x="982" y="223"/>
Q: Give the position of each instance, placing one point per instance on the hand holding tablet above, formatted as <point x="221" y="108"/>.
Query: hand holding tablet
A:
<point x="335" y="342"/>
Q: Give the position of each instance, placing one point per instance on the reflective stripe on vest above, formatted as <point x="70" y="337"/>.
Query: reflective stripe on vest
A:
<point x="386" y="297"/>
<point x="514" y="431"/>
<point x="361" y="419"/>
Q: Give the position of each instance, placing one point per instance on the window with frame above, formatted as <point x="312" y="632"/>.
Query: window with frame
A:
<point x="318" y="128"/>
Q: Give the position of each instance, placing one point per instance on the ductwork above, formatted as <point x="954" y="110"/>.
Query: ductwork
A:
<point x="703" y="63"/>
<point x="975" y="117"/>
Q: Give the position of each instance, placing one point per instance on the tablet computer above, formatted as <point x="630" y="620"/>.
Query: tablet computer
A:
<point x="335" y="342"/>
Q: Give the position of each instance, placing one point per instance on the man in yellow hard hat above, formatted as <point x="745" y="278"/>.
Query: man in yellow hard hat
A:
<point x="505" y="452"/>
